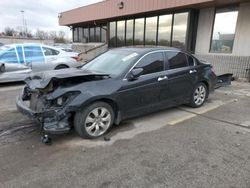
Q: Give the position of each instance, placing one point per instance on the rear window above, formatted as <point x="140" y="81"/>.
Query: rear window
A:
<point x="176" y="59"/>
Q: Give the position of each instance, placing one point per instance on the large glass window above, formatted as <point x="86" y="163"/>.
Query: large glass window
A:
<point x="224" y="30"/>
<point x="80" y="34"/>
<point x="139" y="31"/>
<point x="176" y="60"/>
<point x="151" y="29"/>
<point x="97" y="34"/>
<point x="86" y="35"/>
<point x="164" y="31"/>
<point x="129" y="32"/>
<point x="112" y="34"/>
<point x="103" y="34"/>
<point x="120" y="33"/>
<point x="92" y="34"/>
<point x="180" y="30"/>
<point x="152" y="63"/>
<point x="75" y="34"/>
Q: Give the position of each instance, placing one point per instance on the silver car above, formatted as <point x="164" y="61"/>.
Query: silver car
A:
<point x="19" y="60"/>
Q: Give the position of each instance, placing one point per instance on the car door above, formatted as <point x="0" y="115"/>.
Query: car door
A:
<point x="181" y="78"/>
<point x="141" y="95"/>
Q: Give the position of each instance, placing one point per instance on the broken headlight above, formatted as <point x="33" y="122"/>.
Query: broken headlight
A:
<point x="64" y="99"/>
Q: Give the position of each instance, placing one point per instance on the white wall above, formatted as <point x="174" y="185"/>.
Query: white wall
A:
<point x="205" y="27"/>
<point x="242" y="36"/>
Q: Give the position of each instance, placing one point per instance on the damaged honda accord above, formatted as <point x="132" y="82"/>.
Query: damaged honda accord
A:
<point x="119" y="84"/>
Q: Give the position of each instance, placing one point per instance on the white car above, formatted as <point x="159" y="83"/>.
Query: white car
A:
<point x="20" y="60"/>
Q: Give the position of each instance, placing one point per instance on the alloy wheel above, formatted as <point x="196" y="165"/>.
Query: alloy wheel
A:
<point x="199" y="95"/>
<point x="98" y="121"/>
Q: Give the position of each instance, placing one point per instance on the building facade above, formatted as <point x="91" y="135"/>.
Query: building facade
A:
<point x="215" y="30"/>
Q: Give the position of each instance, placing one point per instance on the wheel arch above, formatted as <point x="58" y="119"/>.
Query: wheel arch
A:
<point x="112" y="103"/>
<point x="207" y="85"/>
<point x="62" y="65"/>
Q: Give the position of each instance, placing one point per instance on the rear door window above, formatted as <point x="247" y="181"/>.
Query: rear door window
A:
<point x="9" y="56"/>
<point x="49" y="51"/>
<point x="33" y="54"/>
<point x="191" y="61"/>
<point x="151" y="63"/>
<point x="176" y="59"/>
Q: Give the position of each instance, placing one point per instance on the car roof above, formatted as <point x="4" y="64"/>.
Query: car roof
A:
<point x="144" y="49"/>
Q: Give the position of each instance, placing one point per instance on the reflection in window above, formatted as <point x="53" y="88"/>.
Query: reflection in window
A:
<point x="80" y="34"/>
<point x="112" y="35"/>
<point x="151" y="63"/>
<point x="120" y="33"/>
<point x="97" y="34"/>
<point x="151" y="28"/>
<point x="164" y="32"/>
<point x="176" y="60"/>
<point x="129" y="32"/>
<point x="224" y="30"/>
<point x="92" y="34"/>
<point x="9" y="56"/>
<point x="75" y="34"/>
<point x="103" y="34"/>
<point x="139" y="31"/>
<point x="86" y="35"/>
<point x="179" y="30"/>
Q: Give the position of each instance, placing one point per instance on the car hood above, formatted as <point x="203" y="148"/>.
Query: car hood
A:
<point x="43" y="79"/>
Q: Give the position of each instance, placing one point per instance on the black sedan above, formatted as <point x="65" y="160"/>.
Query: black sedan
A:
<point x="119" y="84"/>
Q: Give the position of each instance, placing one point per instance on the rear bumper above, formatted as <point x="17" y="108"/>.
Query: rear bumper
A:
<point x="52" y="121"/>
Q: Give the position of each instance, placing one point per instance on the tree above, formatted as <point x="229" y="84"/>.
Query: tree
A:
<point x="9" y="31"/>
<point x="60" y="38"/>
<point x="41" y="34"/>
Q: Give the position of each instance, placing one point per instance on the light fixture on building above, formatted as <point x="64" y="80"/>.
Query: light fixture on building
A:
<point x="120" y="5"/>
<point x="59" y="15"/>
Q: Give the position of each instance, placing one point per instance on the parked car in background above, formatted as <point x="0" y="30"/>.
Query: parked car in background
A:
<point x="119" y="84"/>
<point x="22" y="59"/>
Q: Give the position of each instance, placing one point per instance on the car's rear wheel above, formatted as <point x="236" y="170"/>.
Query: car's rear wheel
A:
<point x="94" y="120"/>
<point x="61" y="67"/>
<point x="199" y="95"/>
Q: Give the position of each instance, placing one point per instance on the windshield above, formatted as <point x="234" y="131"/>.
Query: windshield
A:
<point x="113" y="62"/>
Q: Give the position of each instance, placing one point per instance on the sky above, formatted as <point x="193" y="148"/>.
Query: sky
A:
<point x="39" y="14"/>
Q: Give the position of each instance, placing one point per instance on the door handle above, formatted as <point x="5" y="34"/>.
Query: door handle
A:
<point x="192" y="71"/>
<point x="162" y="78"/>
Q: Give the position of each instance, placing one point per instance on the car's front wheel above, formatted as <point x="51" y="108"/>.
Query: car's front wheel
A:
<point x="199" y="95"/>
<point x="94" y="120"/>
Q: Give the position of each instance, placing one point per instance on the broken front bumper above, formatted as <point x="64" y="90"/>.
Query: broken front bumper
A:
<point x="52" y="121"/>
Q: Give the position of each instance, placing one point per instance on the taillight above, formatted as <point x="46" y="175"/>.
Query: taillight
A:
<point x="77" y="58"/>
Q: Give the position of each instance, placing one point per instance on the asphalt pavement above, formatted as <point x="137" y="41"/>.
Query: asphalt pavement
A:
<point x="177" y="147"/>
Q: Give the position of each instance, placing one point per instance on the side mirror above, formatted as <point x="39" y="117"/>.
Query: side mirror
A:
<point x="135" y="73"/>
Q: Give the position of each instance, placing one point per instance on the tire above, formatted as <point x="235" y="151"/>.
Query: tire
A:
<point x="199" y="95"/>
<point x="90" y="123"/>
<point x="61" y="67"/>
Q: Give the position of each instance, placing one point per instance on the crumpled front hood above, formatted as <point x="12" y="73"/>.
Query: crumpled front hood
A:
<point x="41" y="80"/>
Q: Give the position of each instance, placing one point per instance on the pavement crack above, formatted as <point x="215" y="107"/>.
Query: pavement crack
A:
<point x="216" y="119"/>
